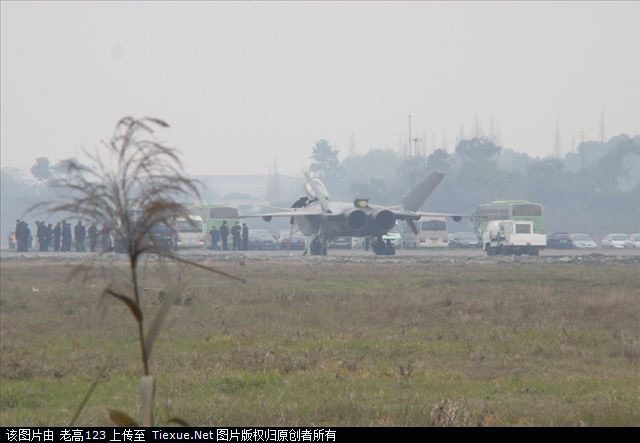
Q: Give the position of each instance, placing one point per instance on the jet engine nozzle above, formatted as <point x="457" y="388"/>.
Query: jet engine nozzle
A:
<point x="385" y="219"/>
<point x="357" y="219"/>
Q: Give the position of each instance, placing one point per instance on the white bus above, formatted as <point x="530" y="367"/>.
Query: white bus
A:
<point x="191" y="232"/>
<point x="432" y="232"/>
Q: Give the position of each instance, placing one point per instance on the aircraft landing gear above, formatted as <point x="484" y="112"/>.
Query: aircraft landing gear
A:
<point x="317" y="247"/>
<point x="381" y="247"/>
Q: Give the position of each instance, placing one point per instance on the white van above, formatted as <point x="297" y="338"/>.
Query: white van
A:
<point x="191" y="232"/>
<point x="432" y="232"/>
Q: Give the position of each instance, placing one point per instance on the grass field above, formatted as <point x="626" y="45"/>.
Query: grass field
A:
<point x="316" y="343"/>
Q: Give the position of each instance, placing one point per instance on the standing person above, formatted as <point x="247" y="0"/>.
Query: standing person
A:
<point x="235" y="235"/>
<point x="106" y="237"/>
<point x="80" y="233"/>
<point x="40" y="233"/>
<point x="66" y="236"/>
<point x="28" y="239"/>
<point x="56" y="237"/>
<point x="48" y="236"/>
<point x="215" y="238"/>
<point x="245" y="237"/>
<point x="224" y="235"/>
<point x="93" y="237"/>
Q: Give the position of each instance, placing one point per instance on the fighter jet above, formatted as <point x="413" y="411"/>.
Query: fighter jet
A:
<point x="322" y="219"/>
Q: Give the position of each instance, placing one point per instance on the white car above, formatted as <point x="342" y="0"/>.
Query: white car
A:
<point x="394" y="237"/>
<point x="614" y="241"/>
<point x="582" y="241"/>
<point x="633" y="241"/>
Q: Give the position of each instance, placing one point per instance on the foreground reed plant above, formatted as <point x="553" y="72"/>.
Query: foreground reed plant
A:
<point x="133" y="184"/>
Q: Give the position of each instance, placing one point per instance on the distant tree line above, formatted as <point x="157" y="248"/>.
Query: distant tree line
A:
<point x="595" y="190"/>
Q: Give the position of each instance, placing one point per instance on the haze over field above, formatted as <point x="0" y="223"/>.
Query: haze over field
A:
<point x="164" y="277"/>
<point x="245" y="83"/>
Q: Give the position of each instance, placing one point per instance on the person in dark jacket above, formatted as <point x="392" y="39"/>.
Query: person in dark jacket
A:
<point x="93" y="237"/>
<point x="224" y="235"/>
<point x="66" y="236"/>
<point x="28" y="239"/>
<point x="245" y="237"/>
<point x="236" y="236"/>
<point x="57" y="231"/>
<point x="48" y="236"/>
<point x="40" y="233"/>
<point x="80" y="234"/>
<point x="215" y="238"/>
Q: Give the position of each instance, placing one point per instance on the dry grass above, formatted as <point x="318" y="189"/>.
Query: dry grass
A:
<point x="317" y="343"/>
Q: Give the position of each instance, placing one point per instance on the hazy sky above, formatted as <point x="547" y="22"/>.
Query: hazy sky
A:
<point x="244" y="83"/>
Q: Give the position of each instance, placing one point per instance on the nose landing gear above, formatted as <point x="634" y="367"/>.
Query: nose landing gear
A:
<point x="316" y="246"/>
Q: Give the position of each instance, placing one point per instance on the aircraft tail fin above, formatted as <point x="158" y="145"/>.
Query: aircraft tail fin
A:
<point x="418" y="195"/>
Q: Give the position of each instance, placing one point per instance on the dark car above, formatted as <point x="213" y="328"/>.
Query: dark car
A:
<point x="560" y="240"/>
<point x="160" y="236"/>
<point x="341" y="243"/>
<point x="464" y="240"/>
<point x="261" y="239"/>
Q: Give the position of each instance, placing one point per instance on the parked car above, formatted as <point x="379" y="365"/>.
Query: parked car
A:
<point x="160" y="237"/>
<point x="409" y="240"/>
<point x="633" y="241"/>
<point x="394" y="237"/>
<point x="341" y="243"/>
<point x="560" y="240"/>
<point x="464" y="240"/>
<point x="583" y="241"/>
<point x="614" y="241"/>
<point x="261" y="239"/>
<point x="291" y="241"/>
<point x="357" y="242"/>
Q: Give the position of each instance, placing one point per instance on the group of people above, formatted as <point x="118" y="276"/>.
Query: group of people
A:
<point x="60" y="237"/>
<point x="239" y="237"/>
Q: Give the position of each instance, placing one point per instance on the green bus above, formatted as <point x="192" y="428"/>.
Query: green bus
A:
<point x="214" y="215"/>
<point x="509" y="210"/>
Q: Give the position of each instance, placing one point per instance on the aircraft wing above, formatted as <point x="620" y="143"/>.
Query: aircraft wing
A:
<point x="287" y="213"/>
<point x="402" y="214"/>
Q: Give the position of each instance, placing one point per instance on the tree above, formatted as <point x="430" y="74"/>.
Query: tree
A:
<point x="327" y="166"/>
<point x="439" y="160"/>
<point x="477" y="149"/>
<point x="325" y="159"/>
<point x="42" y="169"/>
<point x="376" y="190"/>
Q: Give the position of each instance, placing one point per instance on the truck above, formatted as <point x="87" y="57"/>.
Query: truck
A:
<point x="509" y="237"/>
